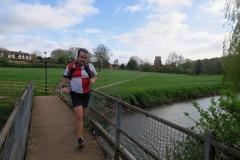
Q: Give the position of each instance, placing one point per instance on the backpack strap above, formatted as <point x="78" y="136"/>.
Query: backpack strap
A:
<point x="87" y="69"/>
<point x="72" y="70"/>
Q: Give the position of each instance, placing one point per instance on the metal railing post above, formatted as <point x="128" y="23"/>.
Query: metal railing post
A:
<point x="209" y="153"/>
<point x="90" y="105"/>
<point x="118" y="124"/>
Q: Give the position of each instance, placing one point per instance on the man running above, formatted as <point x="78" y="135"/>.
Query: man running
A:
<point x="79" y="88"/>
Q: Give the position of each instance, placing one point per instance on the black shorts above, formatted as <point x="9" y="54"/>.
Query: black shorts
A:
<point x="80" y="99"/>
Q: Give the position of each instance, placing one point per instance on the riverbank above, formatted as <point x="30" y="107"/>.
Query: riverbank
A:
<point x="157" y="96"/>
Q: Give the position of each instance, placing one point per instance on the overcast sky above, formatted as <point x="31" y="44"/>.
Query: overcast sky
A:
<point x="142" y="28"/>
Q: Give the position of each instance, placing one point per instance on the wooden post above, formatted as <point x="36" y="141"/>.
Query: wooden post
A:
<point x="209" y="153"/>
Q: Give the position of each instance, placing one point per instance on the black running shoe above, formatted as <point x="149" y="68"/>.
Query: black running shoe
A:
<point x="80" y="142"/>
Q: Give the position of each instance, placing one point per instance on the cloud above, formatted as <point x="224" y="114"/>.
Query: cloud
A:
<point x="29" y="43"/>
<point x="68" y="42"/>
<point x="133" y="8"/>
<point x="168" y="33"/>
<point x="15" y="43"/>
<point x="167" y="27"/>
<point x="216" y="7"/>
<point x="40" y="16"/>
<point x="118" y="10"/>
<point x="122" y="56"/>
<point x="91" y="30"/>
<point x="6" y="2"/>
<point x="166" y="5"/>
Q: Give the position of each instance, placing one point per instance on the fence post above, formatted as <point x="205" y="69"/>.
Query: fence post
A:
<point x="118" y="124"/>
<point x="209" y="153"/>
<point x="90" y="109"/>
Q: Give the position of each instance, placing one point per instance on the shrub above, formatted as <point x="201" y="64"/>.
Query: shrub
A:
<point x="223" y="117"/>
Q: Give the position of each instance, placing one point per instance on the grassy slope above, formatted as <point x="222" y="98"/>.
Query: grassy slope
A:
<point x="109" y="76"/>
<point x="161" y="80"/>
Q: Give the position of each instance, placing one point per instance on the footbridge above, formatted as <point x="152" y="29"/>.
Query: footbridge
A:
<point x="42" y="127"/>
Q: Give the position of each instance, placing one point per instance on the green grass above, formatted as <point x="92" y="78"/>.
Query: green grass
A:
<point x="26" y="74"/>
<point x="161" y="80"/>
<point x="150" y="89"/>
<point x="109" y="76"/>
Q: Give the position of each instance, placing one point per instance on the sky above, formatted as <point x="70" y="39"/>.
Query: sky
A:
<point x="143" y="28"/>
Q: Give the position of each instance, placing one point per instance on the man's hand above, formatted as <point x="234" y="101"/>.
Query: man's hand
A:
<point x="65" y="90"/>
<point x="92" y="81"/>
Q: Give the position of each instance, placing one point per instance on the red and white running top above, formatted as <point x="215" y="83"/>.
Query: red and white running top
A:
<point x="80" y="82"/>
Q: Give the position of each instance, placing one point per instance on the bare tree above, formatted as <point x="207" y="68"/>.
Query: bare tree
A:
<point x="137" y="59"/>
<point x="172" y="59"/>
<point x="115" y="63"/>
<point x="38" y="53"/>
<point x="180" y="60"/>
<point x="101" y="55"/>
<point x="72" y="53"/>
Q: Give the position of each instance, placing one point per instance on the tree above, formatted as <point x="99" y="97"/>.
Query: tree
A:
<point x="180" y="60"/>
<point x="122" y="66"/>
<point x="38" y="53"/>
<point x="146" y="67"/>
<point x="132" y="64"/>
<point x="101" y="55"/>
<point x="222" y="117"/>
<point x="115" y="63"/>
<point x="168" y="69"/>
<point x="2" y="49"/>
<point x="198" y="67"/>
<point x="137" y="59"/>
<point x="172" y="59"/>
<point x="39" y="58"/>
<point x="34" y="56"/>
<point x="212" y="66"/>
<point x="3" y="55"/>
<point x="231" y="53"/>
<point x="60" y="56"/>
<point x="72" y="53"/>
<point x="3" y="52"/>
<point x="188" y="64"/>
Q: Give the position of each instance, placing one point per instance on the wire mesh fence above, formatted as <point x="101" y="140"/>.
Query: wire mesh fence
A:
<point x="13" y="137"/>
<point x="132" y="133"/>
<point x="19" y="86"/>
<point x="141" y="135"/>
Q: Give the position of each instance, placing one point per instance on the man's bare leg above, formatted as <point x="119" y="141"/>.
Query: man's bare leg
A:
<point x="79" y="111"/>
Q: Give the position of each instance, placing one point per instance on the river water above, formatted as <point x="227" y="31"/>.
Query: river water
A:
<point x="174" y="112"/>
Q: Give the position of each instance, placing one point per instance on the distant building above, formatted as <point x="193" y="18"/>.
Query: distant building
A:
<point x="157" y="63"/>
<point x="16" y="57"/>
<point x="111" y="66"/>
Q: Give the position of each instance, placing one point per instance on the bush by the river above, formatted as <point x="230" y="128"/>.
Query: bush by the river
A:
<point x="157" y="96"/>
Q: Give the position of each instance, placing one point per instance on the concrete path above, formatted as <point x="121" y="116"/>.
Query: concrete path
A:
<point x="52" y="134"/>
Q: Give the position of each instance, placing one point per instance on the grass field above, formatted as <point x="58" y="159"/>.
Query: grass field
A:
<point x="138" y="88"/>
<point x="110" y="76"/>
<point x="160" y="80"/>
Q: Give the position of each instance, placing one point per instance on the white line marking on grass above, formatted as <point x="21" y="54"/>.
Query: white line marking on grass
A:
<point x="118" y="82"/>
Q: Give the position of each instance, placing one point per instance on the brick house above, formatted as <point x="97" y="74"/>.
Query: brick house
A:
<point x="16" y="57"/>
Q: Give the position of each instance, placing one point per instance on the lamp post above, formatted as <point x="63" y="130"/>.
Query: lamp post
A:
<point x="45" y="72"/>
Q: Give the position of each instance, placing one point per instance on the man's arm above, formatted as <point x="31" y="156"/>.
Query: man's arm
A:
<point x="64" y="85"/>
<point x="93" y="80"/>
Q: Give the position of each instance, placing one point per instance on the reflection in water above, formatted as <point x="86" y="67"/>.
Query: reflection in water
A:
<point x="174" y="112"/>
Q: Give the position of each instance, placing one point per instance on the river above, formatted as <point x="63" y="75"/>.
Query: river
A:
<point x="174" y="112"/>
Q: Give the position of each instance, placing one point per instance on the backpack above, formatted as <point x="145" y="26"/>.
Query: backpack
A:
<point x="86" y="68"/>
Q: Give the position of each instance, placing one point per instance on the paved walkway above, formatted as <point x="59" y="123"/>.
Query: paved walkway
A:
<point x="52" y="134"/>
